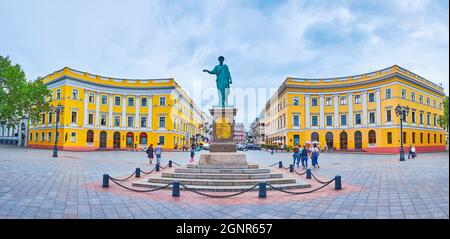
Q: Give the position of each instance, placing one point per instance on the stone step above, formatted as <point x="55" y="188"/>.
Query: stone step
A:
<point x="221" y="176"/>
<point x="214" y="182"/>
<point x="289" y="186"/>
<point x="222" y="170"/>
<point x="249" y="166"/>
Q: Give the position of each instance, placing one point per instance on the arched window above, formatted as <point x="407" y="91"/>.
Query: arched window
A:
<point x="90" y="136"/>
<point x="315" y="137"/>
<point x="372" y="137"/>
<point x="143" y="138"/>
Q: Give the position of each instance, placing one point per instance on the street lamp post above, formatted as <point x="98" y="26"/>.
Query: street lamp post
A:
<point x="402" y="112"/>
<point x="58" y="109"/>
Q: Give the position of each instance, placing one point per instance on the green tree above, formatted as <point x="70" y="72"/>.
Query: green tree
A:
<point x="18" y="97"/>
<point x="443" y="119"/>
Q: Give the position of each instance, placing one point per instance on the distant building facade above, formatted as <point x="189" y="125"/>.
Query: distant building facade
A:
<point x="239" y="133"/>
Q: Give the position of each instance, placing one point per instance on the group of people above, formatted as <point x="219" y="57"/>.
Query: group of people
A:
<point x="412" y="152"/>
<point x="157" y="151"/>
<point x="302" y="154"/>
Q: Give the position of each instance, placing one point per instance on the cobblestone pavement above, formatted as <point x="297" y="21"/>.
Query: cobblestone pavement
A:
<point x="35" y="185"/>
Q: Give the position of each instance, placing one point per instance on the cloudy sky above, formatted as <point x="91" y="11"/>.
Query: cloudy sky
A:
<point x="263" y="41"/>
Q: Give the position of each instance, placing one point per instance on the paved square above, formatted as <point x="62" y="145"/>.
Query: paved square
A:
<point x="35" y="185"/>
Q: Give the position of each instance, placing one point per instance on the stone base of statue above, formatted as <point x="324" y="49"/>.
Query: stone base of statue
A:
<point x="222" y="150"/>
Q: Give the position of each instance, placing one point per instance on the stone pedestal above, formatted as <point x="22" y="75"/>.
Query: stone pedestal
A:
<point x="223" y="149"/>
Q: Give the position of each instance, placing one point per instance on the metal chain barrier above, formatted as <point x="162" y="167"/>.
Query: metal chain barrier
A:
<point x="176" y="163"/>
<point x="125" y="179"/>
<point x="298" y="193"/>
<point x="273" y="164"/>
<point x="140" y="191"/>
<point x="219" y="196"/>
<point x="322" y="182"/>
<point x="299" y="173"/>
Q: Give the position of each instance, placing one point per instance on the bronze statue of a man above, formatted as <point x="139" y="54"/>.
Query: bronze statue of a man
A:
<point x="223" y="81"/>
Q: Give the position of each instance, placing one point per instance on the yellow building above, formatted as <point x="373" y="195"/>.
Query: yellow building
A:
<point x="357" y="112"/>
<point x="110" y="113"/>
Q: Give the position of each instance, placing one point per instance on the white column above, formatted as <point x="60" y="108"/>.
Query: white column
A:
<point x="19" y="135"/>
<point x="138" y="121"/>
<point x="307" y="114"/>
<point x="86" y="104"/>
<point x="26" y="132"/>
<point x="150" y="108"/>
<point x="378" y="102"/>
<point x="322" y="112"/>
<point x="111" y="101"/>
<point x="364" y="101"/>
<point x="350" y="110"/>
<point x="124" y="111"/>
<point x="97" y="109"/>
<point x="336" y="111"/>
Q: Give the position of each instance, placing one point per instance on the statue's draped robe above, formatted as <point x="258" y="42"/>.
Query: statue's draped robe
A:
<point x="222" y="80"/>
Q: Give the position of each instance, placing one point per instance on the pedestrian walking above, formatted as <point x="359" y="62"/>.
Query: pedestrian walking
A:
<point x="192" y="155"/>
<point x="304" y="157"/>
<point x="412" y="151"/>
<point x="315" y="156"/>
<point x="150" y="152"/>
<point x="158" y="152"/>
<point x="272" y="149"/>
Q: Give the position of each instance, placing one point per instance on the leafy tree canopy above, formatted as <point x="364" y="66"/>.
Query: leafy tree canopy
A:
<point x="18" y="97"/>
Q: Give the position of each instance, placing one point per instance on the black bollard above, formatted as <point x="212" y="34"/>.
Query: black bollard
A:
<point x="170" y="163"/>
<point x="105" y="180"/>
<point x="280" y="164"/>
<point x="262" y="189"/>
<point x="337" y="182"/>
<point x="138" y="173"/>
<point x="291" y="168"/>
<point x="157" y="167"/>
<point x="308" y="173"/>
<point x="176" y="189"/>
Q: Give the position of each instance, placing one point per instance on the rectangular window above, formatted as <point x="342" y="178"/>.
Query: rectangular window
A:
<point x="388" y="116"/>
<point x="162" y="101"/>
<point x="295" y="101"/>
<point x="314" y="120"/>
<point x="388" y="93"/>
<point x="73" y="137"/>
<point x="421" y="99"/>
<point x="31" y="136"/>
<point x="413" y="117"/>
<point x="43" y="118"/>
<point x="440" y="138"/>
<point x="343" y="119"/>
<point x="143" y="122"/>
<point x="413" y="96"/>
<point x="428" y="101"/>
<point x="75" y="94"/>
<point x="117" y="101"/>
<point x="296" y="120"/>
<point x="58" y="94"/>
<point x="403" y="94"/>
<point x="51" y="96"/>
<point x="428" y="119"/>
<point x="42" y="137"/>
<point x="130" y="122"/>
<point x="36" y="136"/>
<point x="328" y="101"/>
<point x="404" y="137"/>
<point x="372" y="117"/>
<point x="143" y="102"/>
<point x="413" y="137"/>
<point x="49" y="139"/>
<point x="104" y="99"/>
<point x="162" y="122"/>
<point x="91" y="98"/>
<point x="343" y="100"/>
<point x="329" y="120"/>
<point x="434" y="103"/>
<point x="389" y="137"/>
<point x="435" y="139"/>
<point x="91" y="119"/>
<point x="314" y="102"/>
<point x="130" y="101"/>
<point x="428" y="137"/>
<point x="434" y="120"/>
<point x="357" y="99"/>
<point x="50" y="117"/>
<point x="357" y="119"/>
<point x="161" y="140"/>
<point x="421" y="138"/>
<point x="404" y="117"/>
<point x="103" y="120"/>
<point x="116" y="121"/>
<point x="421" y="118"/>
<point x="371" y="97"/>
<point x="74" y="117"/>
